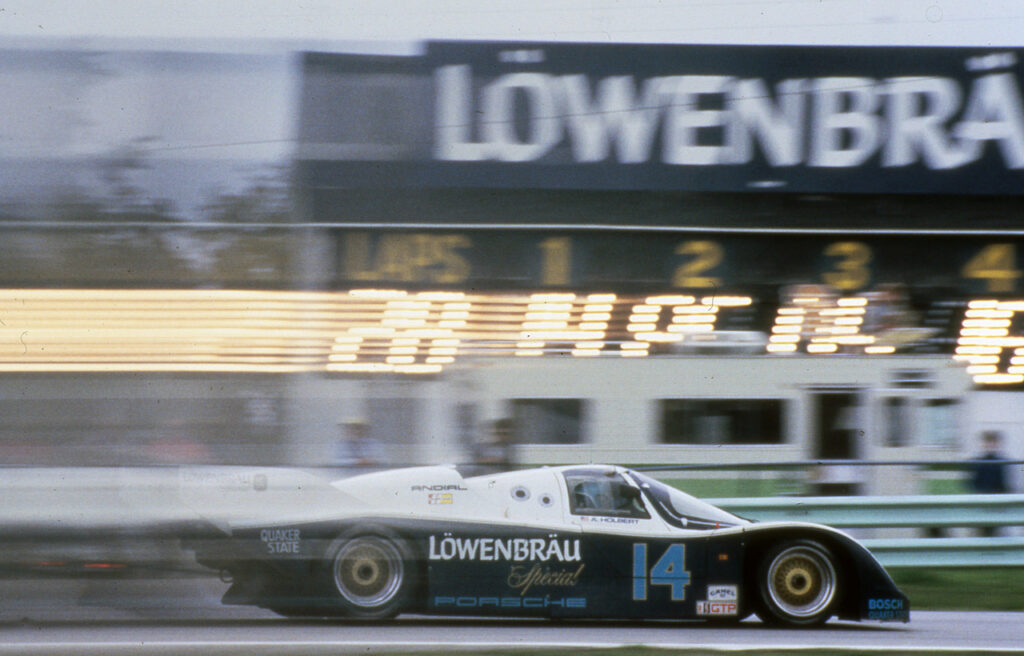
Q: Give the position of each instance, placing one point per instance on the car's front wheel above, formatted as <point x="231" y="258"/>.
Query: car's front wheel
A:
<point x="372" y="574"/>
<point x="798" y="584"/>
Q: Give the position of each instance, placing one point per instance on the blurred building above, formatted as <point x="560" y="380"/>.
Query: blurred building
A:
<point x="666" y="254"/>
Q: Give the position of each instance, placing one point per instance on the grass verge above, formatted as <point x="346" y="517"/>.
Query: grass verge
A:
<point x="982" y="588"/>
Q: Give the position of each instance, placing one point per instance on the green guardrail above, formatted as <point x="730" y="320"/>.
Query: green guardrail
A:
<point x="938" y="512"/>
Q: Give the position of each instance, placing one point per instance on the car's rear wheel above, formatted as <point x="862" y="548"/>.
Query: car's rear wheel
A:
<point x="798" y="584"/>
<point x="372" y="574"/>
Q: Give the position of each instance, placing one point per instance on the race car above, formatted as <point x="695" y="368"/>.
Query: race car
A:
<point x="562" y="542"/>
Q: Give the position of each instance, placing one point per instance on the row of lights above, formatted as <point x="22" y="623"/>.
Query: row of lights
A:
<point x="409" y="332"/>
<point x="984" y="336"/>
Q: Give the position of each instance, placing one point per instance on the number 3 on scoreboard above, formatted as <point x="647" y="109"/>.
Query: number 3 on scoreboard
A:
<point x="670" y="570"/>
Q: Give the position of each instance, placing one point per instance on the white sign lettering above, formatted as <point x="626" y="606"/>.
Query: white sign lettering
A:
<point x="709" y="120"/>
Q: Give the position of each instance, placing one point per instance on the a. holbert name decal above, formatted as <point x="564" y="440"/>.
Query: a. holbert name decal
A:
<point x="523" y="579"/>
<point x="508" y="549"/>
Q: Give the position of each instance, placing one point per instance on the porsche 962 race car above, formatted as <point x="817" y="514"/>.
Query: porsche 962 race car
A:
<point x="566" y="542"/>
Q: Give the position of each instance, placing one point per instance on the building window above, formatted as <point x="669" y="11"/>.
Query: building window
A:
<point x="722" y="421"/>
<point x="897" y="421"/>
<point x="547" y="421"/>
<point x="941" y="422"/>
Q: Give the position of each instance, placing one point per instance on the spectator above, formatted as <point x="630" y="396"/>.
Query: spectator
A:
<point x="357" y="447"/>
<point x="989" y="473"/>
<point x="496" y="452"/>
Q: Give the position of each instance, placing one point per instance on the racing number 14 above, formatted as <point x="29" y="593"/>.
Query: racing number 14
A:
<point x="670" y="570"/>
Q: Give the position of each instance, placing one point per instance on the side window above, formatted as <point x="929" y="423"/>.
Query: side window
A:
<point x="601" y="494"/>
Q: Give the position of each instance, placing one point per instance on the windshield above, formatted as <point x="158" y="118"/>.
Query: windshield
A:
<point x="681" y="509"/>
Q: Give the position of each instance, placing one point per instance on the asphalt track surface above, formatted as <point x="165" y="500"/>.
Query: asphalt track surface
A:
<point x="185" y="617"/>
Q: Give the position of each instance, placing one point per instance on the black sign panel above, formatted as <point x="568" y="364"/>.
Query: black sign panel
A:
<point x="681" y="118"/>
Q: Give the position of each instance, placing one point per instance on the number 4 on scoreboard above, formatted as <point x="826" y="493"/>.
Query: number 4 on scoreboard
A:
<point x="997" y="265"/>
<point x="670" y="570"/>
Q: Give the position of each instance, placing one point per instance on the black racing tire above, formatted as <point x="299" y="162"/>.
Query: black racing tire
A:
<point x="371" y="574"/>
<point x="798" y="583"/>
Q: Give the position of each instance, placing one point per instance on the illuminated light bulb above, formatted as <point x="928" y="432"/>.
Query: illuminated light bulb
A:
<point x="879" y="350"/>
<point x="983" y="304"/>
<point x="854" y="340"/>
<point x="781" y="330"/>
<point x="633" y="354"/>
<point x="418" y="369"/>
<point x="822" y="348"/>
<point x="529" y="353"/>
<point x="377" y="293"/>
<point x="372" y="330"/>
<point x="403" y="323"/>
<point x="399" y="359"/>
<point x="984" y="332"/>
<point x="641" y="327"/>
<point x="441" y="296"/>
<point x="999" y="379"/>
<point x="786" y="310"/>
<point x="989" y="314"/>
<point x="634" y="345"/>
<point x="691" y="328"/>
<point x="552" y="298"/>
<point x="550" y="307"/>
<point x="986" y="323"/>
<point x="411" y="306"/>
<point x="446" y="351"/>
<point x="789" y="321"/>
<point x="670" y="300"/>
<point x="784" y="339"/>
<point x="853" y="301"/>
<point x="1014" y="306"/>
<point x="643" y="318"/>
<point x="657" y="337"/>
<point x="982" y="369"/>
<point x="341" y="357"/>
<point x="806" y="300"/>
<point x="601" y="298"/>
<point x="405" y="341"/>
<point x="346" y="347"/>
<point x="585" y="353"/>
<point x="437" y="359"/>
<point x="727" y="301"/>
<point x="978" y="350"/>
<point x="781" y="348"/>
